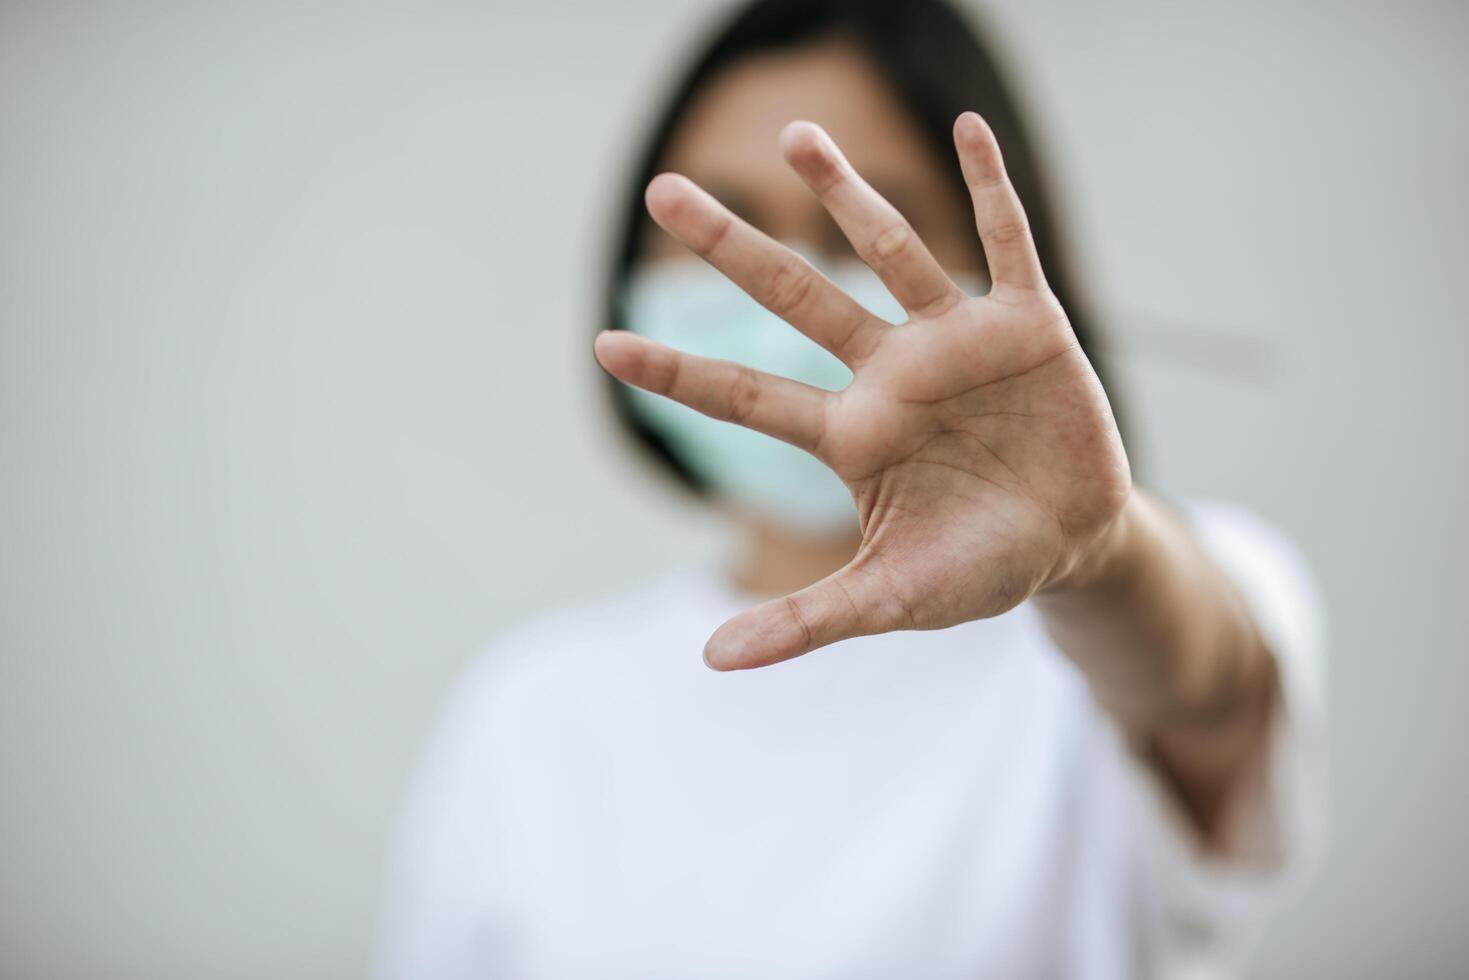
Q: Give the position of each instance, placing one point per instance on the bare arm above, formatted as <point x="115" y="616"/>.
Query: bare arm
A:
<point x="1171" y="650"/>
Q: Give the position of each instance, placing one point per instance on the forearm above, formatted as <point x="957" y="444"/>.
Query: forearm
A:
<point x="1171" y="650"/>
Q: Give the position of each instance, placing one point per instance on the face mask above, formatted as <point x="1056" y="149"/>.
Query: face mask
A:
<point x="691" y="307"/>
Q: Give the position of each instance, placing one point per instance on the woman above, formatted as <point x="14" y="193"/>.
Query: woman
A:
<point x="1096" y="760"/>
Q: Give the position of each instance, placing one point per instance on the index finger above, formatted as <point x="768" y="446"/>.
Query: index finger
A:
<point x="774" y="275"/>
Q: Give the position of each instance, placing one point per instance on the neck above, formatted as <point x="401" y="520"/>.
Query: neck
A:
<point x="775" y="562"/>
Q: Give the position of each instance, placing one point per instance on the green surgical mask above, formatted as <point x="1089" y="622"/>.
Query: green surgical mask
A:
<point x="692" y="307"/>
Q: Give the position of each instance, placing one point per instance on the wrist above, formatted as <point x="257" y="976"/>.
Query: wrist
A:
<point x="1110" y="559"/>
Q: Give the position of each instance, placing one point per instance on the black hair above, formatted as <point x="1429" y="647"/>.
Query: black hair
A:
<point x="937" y="63"/>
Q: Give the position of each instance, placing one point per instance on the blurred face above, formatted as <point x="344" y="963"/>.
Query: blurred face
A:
<point x="727" y="144"/>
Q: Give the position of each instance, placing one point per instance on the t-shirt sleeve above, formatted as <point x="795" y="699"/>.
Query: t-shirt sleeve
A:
<point x="1212" y="902"/>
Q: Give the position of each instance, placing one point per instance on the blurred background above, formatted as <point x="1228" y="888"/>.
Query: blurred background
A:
<point x="297" y="410"/>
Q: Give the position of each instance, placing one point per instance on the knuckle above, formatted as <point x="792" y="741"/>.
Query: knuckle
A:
<point x="993" y="179"/>
<point x="743" y="396"/>
<point x="798" y="616"/>
<point x="789" y="287"/>
<point x="714" y="235"/>
<point x="822" y="173"/>
<point x="665" y="380"/>
<point x="1009" y="232"/>
<point x="891" y="242"/>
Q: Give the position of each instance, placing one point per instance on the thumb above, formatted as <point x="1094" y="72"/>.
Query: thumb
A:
<point x="852" y="601"/>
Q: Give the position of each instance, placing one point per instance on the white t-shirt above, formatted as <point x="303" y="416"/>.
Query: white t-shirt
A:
<point x="598" y="803"/>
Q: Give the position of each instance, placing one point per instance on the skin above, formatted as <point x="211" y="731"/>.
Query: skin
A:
<point x="976" y="439"/>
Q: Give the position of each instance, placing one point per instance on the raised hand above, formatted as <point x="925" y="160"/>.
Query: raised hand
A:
<point x="975" y="438"/>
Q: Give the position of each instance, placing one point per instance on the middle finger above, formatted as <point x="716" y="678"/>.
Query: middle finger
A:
<point x="882" y="237"/>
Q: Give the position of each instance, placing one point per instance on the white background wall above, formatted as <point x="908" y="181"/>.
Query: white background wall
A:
<point x="297" y="410"/>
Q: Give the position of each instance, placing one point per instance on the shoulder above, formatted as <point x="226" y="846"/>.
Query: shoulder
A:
<point x="548" y="663"/>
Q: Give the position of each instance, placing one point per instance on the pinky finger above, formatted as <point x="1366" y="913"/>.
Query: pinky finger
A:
<point x="1003" y="229"/>
<point x="787" y="410"/>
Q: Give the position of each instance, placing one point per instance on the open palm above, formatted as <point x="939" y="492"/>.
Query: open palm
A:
<point x="975" y="438"/>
